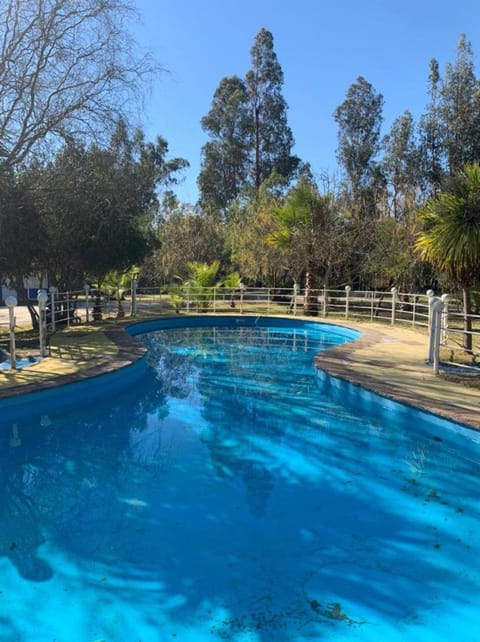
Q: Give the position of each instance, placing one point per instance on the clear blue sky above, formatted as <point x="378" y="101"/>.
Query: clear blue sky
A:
<point x="322" y="46"/>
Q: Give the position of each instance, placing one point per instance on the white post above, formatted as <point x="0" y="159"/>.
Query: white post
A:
<point x="431" y="342"/>
<point x="42" y="297"/>
<point x="53" y="290"/>
<point x="86" y="287"/>
<point x="133" y="311"/>
<point x="11" y="302"/>
<point x="295" y="294"/>
<point x="242" y="292"/>
<point x="68" y="308"/>
<point x="187" y="288"/>
<point x="324" y="313"/>
<point x="431" y="300"/>
<point x="348" y="289"/>
<point x="444" y="336"/>
<point x="437" y="311"/>
<point x="394" y="304"/>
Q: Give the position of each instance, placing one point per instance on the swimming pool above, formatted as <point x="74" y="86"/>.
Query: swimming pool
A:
<point x="223" y="489"/>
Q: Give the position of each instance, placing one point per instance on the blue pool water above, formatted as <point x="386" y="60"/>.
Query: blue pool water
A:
<point x="20" y="363"/>
<point x="223" y="489"/>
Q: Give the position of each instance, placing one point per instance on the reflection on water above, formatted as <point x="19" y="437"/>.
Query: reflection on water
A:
<point x="230" y="493"/>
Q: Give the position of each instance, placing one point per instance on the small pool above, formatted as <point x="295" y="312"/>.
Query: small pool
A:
<point x="224" y="489"/>
<point x="20" y="363"/>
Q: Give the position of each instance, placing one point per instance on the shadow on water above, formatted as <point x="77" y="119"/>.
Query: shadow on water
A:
<point x="211" y="502"/>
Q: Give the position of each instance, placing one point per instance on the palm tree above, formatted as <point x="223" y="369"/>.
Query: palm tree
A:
<point x="202" y="279"/>
<point x="303" y="224"/>
<point x="451" y="238"/>
<point x="115" y="284"/>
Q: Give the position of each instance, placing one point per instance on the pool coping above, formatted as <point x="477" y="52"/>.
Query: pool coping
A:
<point x="362" y="362"/>
<point x="130" y="350"/>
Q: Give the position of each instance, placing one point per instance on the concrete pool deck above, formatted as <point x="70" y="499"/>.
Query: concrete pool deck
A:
<point x="388" y="360"/>
<point x="392" y="362"/>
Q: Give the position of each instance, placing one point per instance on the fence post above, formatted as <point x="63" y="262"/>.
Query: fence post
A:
<point x="86" y="287"/>
<point x="187" y="290"/>
<point x="372" y="297"/>
<point x="67" y="295"/>
<point x="295" y="294"/>
<point x="431" y="331"/>
<point x="133" y="311"/>
<point x="444" y="336"/>
<point x="394" y="292"/>
<point x="53" y="290"/>
<point x="11" y="302"/>
<point x="42" y="297"/>
<point x="437" y="312"/>
<point x="242" y="292"/>
<point x="348" y="289"/>
<point x="430" y="295"/>
<point x="324" y="312"/>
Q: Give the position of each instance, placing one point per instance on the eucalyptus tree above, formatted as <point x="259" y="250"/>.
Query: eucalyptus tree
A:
<point x="401" y="167"/>
<point x="359" y="120"/>
<point x="450" y="128"/>
<point x="451" y="237"/>
<point x="225" y="158"/>
<point x="432" y="149"/>
<point x="272" y="137"/>
<point x="68" y="69"/>
<point x="460" y="109"/>
<point x="250" y="139"/>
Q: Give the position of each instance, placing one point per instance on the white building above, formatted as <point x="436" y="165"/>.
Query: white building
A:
<point x="32" y="285"/>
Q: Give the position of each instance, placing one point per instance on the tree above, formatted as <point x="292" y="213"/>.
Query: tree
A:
<point x="451" y="238"/>
<point x="225" y="161"/>
<point x="359" y="120"/>
<point x="68" y="68"/>
<point x="401" y="167"/>
<point x="432" y="150"/>
<point x="97" y="205"/>
<point x="391" y="259"/>
<point x="460" y="109"/>
<point x="183" y="237"/>
<point x="250" y="137"/>
<point x="246" y="231"/>
<point x="272" y="139"/>
<point x="22" y="238"/>
<point x="116" y="284"/>
<point x="202" y="280"/>
<point x="450" y="130"/>
<point x="310" y="230"/>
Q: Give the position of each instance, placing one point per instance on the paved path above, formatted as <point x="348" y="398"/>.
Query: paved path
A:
<point x="388" y="360"/>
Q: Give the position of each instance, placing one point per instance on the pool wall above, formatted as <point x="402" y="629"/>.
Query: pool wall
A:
<point x="69" y="395"/>
<point x="240" y="321"/>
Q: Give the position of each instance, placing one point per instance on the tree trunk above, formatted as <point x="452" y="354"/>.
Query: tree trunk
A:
<point x="467" y="320"/>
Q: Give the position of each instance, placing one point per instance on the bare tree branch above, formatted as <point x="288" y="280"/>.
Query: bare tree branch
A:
<point x="68" y="68"/>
